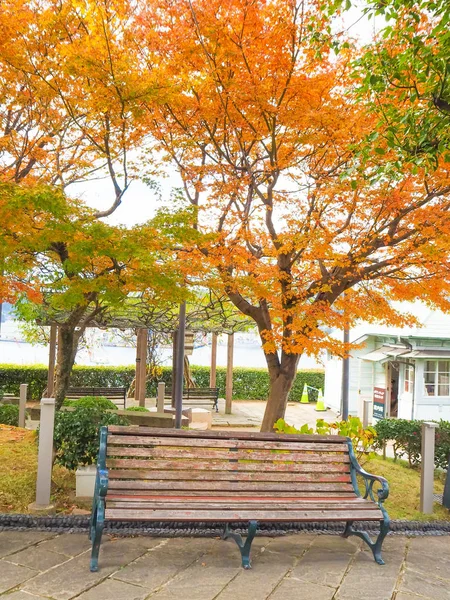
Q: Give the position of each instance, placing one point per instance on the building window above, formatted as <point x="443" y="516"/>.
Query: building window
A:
<point x="437" y="378"/>
<point x="409" y="378"/>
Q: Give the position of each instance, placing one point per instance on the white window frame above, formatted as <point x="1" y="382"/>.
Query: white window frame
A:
<point x="434" y="383"/>
<point x="409" y="379"/>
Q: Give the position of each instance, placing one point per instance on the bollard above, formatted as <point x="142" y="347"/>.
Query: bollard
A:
<point x="160" y="399"/>
<point x="367" y="405"/>
<point x="427" y="468"/>
<point x="446" y="496"/>
<point x="22" y="404"/>
<point x="45" y="455"/>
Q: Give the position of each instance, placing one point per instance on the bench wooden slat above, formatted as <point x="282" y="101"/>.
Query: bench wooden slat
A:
<point x="226" y="465"/>
<point x="228" y="476"/>
<point x="246" y="505"/>
<point x="217" y="494"/>
<point x="200" y="453"/>
<point x="265" y="486"/>
<point x="241" y="515"/>
<point x="219" y="434"/>
<point x="137" y="440"/>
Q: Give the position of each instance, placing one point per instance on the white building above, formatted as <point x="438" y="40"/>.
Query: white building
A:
<point x="405" y="372"/>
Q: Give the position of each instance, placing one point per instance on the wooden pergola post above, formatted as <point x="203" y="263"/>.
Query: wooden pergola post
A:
<point x="51" y="361"/>
<point x="137" y="379"/>
<point x="174" y="364"/>
<point x="213" y="371"/>
<point x="141" y="366"/>
<point x="229" y="380"/>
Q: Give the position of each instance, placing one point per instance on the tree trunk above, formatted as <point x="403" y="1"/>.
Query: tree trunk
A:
<point x="67" y="349"/>
<point x="281" y="380"/>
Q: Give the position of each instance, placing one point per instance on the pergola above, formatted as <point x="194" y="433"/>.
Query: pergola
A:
<point x="210" y="317"/>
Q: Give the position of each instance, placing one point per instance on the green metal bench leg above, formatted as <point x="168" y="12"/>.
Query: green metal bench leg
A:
<point x="98" y="523"/>
<point x="374" y="546"/>
<point x="244" y="547"/>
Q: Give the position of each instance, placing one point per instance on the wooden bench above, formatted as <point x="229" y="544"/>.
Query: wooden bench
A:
<point x="149" y="474"/>
<point x="198" y="397"/>
<point x="118" y="395"/>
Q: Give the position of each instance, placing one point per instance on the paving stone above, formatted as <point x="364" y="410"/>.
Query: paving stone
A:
<point x="428" y="587"/>
<point x="268" y="570"/>
<point x="325" y="567"/>
<point x="164" y="562"/>
<point x="37" y="558"/>
<point x="69" y="544"/>
<point x="402" y="596"/>
<point x="430" y="546"/>
<point x="292" y="545"/>
<point x="73" y="577"/>
<point x="114" y="589"/>
<point x="295" y="589"/>
<point x="13" y="575"/>
<point x="336" y="543"/>
<point x="13" y="541"/>
<point x="19" y="595"/>
<point x="366" y="579"/>
<point x="432" y="566"/>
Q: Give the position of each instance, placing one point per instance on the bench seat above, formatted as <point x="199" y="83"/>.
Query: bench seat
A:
<point x="166" y="475"/>
<point x="198" y="397"/>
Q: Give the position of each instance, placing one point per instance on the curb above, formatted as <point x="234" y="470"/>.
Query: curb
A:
<point x="80" y="524"/>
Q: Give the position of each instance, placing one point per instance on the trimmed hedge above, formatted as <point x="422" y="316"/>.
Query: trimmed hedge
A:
<point x="252" y="384"/>
<point x="406" y="437"/>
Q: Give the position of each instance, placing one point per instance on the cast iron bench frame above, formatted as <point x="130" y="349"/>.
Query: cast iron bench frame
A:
<point x="316" y="475"/>
<point x="196" y="396"/>
<point x="118" y="395"/>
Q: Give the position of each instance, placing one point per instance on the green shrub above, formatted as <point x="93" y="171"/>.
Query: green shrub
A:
<point x="76" y="436"/>
<point x="406" y="438"/>
<point x="137" y="409"/>
<point x="248" y="383"/>
<point x="92" y="401"/>
<point x="362" y="438"/>
<point x="9" y="414"/>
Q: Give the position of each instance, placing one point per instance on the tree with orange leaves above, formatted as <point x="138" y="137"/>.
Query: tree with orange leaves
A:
<point x="69" y="93"/>
<point x="313" y="219"/>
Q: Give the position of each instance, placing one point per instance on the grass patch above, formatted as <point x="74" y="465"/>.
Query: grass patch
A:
<point x="18" y="460"/>
<point x="404" y="489"/>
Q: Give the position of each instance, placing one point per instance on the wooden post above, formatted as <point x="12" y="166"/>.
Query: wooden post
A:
<point x="229" y="380"/>
<point x="174" y="364"/>
<point x="160" y="399"/>
<point x="45" y="455"/>
<point x="137" y="379"/>
<point x="51" y="361"/>
<point x="427" y="468"/>
<point x="142" y="367"/>
<point x="22" y="403"/>
<point x="212" y="373"/>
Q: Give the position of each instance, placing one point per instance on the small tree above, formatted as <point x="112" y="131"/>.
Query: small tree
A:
<point x="78" y="268"/>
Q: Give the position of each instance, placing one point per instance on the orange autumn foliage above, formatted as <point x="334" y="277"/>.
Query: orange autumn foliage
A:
<point x="314" y="222"/>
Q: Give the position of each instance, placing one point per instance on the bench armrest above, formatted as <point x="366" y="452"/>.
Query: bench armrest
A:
<point x="101" y="480"/>
<point x="369" y="479"/>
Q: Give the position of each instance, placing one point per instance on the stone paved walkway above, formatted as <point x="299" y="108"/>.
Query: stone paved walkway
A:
<point x="35" y="565"/>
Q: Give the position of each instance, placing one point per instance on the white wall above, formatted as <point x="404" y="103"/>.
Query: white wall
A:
<point x="426" y="407"/>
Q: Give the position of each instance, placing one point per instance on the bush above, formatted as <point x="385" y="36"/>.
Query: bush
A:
<point x="137" y="409"/>
<point x="76" y="436"/>
<point x="9" y="414"/>
<point x="362" y="438"/>
<point x="92" y="401"/>
<point x="406" y="438"/>
<point x="248" y="383"/>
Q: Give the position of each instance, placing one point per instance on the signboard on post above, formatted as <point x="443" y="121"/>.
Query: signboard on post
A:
<point x="379" y="403"/>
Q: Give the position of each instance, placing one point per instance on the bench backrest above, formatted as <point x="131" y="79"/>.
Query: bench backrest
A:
<point x="115" y="394"/>
<point x="205" y="395"/>
<point x="147" y="462"/>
